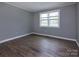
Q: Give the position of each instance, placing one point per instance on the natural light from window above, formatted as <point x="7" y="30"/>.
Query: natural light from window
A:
<point x="50" y="19"/>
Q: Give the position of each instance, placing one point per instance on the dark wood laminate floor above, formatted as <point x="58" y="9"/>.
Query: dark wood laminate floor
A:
<point x="38" y="46"/>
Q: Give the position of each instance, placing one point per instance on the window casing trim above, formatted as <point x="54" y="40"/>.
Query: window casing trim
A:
<point x="58" y="10"/>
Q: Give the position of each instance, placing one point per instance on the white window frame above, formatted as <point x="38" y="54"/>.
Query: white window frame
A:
<point x="48" y="18"/>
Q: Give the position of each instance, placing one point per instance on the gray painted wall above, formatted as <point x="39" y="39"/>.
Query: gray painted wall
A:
<point x="78" y="22"/>
<point x="67" y="23"/>
<point x="14" y="21"/>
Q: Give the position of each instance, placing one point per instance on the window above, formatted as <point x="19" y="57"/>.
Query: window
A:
<point x="50" y="19"/>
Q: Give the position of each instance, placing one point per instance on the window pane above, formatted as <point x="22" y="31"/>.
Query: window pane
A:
<point x="53" y="23"/>
<point x="43" y="18"/>
<point x="50" y="19"/>
<point x="54" y="17"/>
<point x="54" y="14"/>
<point x="44" y="15"/>
<point x="44" y="23"/>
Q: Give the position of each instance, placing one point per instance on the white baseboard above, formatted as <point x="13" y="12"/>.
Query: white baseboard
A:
<point x="38" y="34"/>
<point x="54" y="36"/>
<point x="58" y="37"/>
<point x="77" y="43"/>
<point x="5" y="40"/>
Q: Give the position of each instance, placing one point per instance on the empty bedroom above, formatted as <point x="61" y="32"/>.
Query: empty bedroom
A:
<point x="39" y="29"/>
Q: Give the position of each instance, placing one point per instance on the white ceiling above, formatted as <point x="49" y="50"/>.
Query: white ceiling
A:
<point x="39" y="6"/>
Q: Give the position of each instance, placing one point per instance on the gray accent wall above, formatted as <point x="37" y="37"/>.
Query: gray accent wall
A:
<point x="14" y="21"/>
<point x="67" y="23"/>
